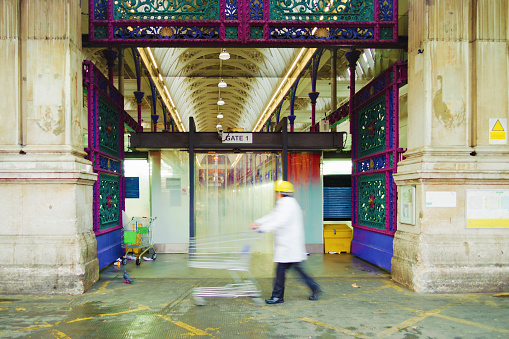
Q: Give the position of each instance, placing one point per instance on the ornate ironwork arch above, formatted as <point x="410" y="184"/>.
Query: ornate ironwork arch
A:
<point x="243" y="22"/>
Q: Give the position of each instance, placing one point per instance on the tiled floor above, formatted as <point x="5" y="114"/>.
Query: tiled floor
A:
<point x="359" y="301"/>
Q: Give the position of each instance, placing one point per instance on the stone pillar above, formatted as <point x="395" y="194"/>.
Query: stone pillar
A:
<point x="47" y="244"/>
<point x="457" y="82"/>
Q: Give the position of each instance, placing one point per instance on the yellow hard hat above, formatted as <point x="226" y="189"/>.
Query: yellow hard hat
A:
<point x="283" y="186"/>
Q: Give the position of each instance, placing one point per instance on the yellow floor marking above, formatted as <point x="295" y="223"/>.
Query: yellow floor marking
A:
<point x="337" y="329"/>
<point x="472" y="323"/>
<point x="57" y="334"/>
<point x="124" y="312"/>
<point x="20" y="309"/>
<point x="188" y="327"/>
<point x="393" y="285"/>
<point x="102" y="288"/>
<point x="4" y="308"/>
<point x="402" y="325"/>
<point x="79" y="319"/>
<point x="109" y="314"/>
<point x="422" y="316"/>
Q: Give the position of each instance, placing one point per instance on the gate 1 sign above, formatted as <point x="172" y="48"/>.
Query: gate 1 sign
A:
<point x="237" y="138"/>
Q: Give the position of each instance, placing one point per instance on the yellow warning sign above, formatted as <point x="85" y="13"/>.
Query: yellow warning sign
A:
<point x="498" y="131"/>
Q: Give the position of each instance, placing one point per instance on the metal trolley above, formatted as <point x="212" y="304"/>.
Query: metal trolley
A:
<point x="137" y="236"/>
<point x="230" y="252"/>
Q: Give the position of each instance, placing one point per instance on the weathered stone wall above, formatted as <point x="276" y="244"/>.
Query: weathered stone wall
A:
<point x="458" y="80"/>
<point x="46" y="240"/>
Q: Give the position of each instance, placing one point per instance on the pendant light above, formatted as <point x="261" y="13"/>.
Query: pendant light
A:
<point x="224" y="55"/>
<point x="220" y="102"/>
<point x="222" y="84"/>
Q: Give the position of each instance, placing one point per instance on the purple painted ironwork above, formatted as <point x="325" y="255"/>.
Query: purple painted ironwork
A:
<point x="374" y="166"/>
<point x="110" y="56"/>
<point x="106" y="163"/>
<point x="293" y="96"/>
<point x="275" y="23"/>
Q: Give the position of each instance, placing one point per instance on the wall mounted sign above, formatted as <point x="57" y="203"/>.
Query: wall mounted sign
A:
<point x="487" y="208"/>
<point x="440" y="199"/>
<point x="237" y="138"/>
<point x="498" y="131"/>
<point x="407" y="205"/>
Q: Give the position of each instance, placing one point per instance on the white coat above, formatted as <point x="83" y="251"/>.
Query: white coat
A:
<point x="285" y="220"/>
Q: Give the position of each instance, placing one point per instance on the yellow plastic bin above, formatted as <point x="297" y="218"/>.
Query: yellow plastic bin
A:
<point x="337" y="238"/>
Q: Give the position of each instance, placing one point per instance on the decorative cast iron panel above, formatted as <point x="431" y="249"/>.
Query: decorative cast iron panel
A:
<point x="105" y="147"/>
<point x="375" y="151"/>
<point x="242" y="22"/>
<point x="372" y="127"/>
<point x="339" y="10"/>
<point x="372" y="201"/>
<point x="108" y="127"/>
<point x="109" y="201"/>
<point x="165" y="10"/>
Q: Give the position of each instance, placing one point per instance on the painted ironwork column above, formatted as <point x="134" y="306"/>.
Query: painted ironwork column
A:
<point x="165" y="112"/>
<point x="352" y="58"/>
<point x="292" y="116"/>
<point x="110" y="56"/>
<point x="154" y="115"/>
<point x="313" y="96"/>
<point x="121" y="70"/>
<point x="333" y="82"/>
<point x="315" y="62"/>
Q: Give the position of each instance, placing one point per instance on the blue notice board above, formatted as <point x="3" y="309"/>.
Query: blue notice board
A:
<point x="132" y="187"/>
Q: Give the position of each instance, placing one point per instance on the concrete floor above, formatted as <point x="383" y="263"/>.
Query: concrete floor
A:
<point x="359" y="301"/>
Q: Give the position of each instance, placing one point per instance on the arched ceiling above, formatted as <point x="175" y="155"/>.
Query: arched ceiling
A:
<point x="192" y="76"/>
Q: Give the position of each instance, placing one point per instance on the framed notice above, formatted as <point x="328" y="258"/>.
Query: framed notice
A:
<point x="487" y="208"/>
<point x="407" y="205"/>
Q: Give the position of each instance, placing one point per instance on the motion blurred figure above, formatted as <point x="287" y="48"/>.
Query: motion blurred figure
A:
<point x="286" y="221"/>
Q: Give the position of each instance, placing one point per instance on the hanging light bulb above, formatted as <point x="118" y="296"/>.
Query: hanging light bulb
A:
<point x="222" y="84"/>
<point x="218" y="126"/>
<point x="224" y="55"/>
<point x="219" y="115"/>
<point x="220" y="102"/>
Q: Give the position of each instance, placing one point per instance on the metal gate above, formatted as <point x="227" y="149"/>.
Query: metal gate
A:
<point x="375" y="153"/>
<point x="106" y="152"/>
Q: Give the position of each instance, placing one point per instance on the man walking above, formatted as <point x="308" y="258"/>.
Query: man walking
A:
<point x="286" y="221"/>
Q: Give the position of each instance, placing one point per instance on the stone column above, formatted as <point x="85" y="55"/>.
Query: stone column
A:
<point x="47" y="244"/>
<point x="457" y="82"/>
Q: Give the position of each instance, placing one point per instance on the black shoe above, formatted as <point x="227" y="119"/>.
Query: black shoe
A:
<point x="316" y="293"/>
<point x="274" y="300"/>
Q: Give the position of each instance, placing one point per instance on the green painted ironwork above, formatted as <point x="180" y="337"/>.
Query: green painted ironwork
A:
<point x="232" y="33"/>
<point x="305" y="10"/>
<point x="372" y="201"/>
<point x="108" y="127"/>
<point x="256" y="32"/>
<point x="372" y="127"/>
<point x="109" y="201"/>
<point x="386" y="33"/>
<point x="166" y="10"/>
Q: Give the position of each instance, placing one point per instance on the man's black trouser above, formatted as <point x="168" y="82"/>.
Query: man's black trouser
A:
<point x="279" y="281"/>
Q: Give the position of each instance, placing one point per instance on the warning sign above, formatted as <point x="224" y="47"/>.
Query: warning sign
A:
<point x="498" y="131"/>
